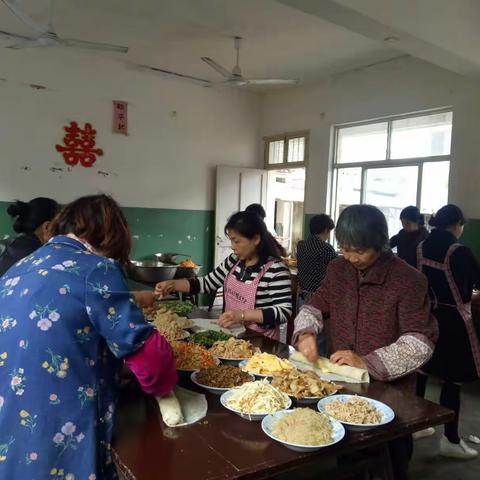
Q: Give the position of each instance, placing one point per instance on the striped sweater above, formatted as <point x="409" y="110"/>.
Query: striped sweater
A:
<point x="274" y="293"/>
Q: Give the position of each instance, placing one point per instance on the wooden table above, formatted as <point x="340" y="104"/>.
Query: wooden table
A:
<point x="224" y="446"/>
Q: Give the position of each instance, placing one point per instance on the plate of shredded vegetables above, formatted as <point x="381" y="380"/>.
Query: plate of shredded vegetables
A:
<point x="303" y="429"/>
<point x="190" y="356"/>
<point x="208" y="338"/>
<point x="180" y="308"/>
<point x="356" y="412"/>
<point x="220" y="378"/>
<point x="254" y="400"/>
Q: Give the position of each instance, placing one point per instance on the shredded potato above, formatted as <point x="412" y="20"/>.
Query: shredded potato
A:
<point x="356" y="410"/>
<point x="233" y="349"/>
<point x="304" y="427"/>
<point x="257" y="398"/>
<point x="268" y="364"/>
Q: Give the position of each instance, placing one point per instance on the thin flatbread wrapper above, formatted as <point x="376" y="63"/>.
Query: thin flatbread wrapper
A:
<point x="193" y="407"/>
<point x="328" y="370"/>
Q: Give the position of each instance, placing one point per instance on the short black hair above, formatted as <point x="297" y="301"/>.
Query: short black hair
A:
<point x="363" y="226"/>
<point x="412" y="214"/>
<point x="448" y="216"/>
<point x="320" y="224"/>
<point x="258" y="209"/>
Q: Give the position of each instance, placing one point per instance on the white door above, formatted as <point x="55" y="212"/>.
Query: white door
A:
<point x="236" y="189"/>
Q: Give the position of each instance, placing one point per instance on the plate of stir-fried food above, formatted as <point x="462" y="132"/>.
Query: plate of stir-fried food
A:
<point x="233" y="350"/>
<point x="304" y="387"/>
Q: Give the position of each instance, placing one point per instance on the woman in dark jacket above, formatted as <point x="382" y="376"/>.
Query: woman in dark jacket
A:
<point x="32" y="222"/>
<point x="375" y="310"/>
<point x="452" y="271"/>
<point x="412" y="233"/>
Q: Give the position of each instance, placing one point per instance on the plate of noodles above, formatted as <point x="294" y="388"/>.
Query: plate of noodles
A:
<point x="255" y="400"/>
<point x="356" y="412"/>
<point x="303" y="429"/>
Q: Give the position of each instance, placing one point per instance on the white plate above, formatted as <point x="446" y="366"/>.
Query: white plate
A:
<point x="233" y="361"/>
<point x="260" y="376"/>
<point x="214" y="390"/>
<point x="269" y="421"/>
<point x="254" y="417"/>
<point x="388" y="413"/>
<point x="305" y="400"/>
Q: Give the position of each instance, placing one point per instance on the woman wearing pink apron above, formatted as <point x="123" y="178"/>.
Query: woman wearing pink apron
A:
<point x="256" y="284"/>
<point x="452" y="271"/>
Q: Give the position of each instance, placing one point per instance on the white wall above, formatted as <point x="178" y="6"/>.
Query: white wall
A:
<point x="167" y="161"/>
<point x="402" y="86"/>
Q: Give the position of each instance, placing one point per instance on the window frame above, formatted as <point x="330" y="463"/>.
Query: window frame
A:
<point x="388" y="162"/>
<point x="286" y="137"/>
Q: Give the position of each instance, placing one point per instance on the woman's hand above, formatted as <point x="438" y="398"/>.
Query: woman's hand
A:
<point x="347" y="357"/>
<point x="307" y="345"/>
<point x="231" y="319"/>
<point x="144" y="299"/>
<point x="163" y="289"/>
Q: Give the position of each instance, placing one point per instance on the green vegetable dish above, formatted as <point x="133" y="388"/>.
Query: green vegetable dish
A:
<point x="180" y="308"/>
<point x="208" y="338"/>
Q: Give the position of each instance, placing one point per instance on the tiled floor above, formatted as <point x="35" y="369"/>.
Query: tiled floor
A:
<point x="427" y="465"/>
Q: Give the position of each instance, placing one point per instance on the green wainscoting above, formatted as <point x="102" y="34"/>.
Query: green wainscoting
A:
<point x="470" y="238"/>
<point x="159" y="230"/>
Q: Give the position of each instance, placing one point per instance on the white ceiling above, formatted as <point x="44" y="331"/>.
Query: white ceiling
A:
<point x="174" y="34"/>
<point x="443" y="32"/>
<point x="304" y="39"/>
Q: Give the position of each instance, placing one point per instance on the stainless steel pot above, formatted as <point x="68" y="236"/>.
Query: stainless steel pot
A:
<point x="151" y="271"/>
<point x="168" y="257"/>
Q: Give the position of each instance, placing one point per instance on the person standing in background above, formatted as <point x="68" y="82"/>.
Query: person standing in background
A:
<point x="452" y="271"/>
<point x="412" y="233"/>
<point x="313" y="256"/>
<point x="32" y="221"/>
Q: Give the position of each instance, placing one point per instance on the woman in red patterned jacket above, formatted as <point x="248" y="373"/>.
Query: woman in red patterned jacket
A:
<point x="377" y="307"/>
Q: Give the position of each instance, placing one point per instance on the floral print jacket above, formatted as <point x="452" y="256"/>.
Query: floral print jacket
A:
<point x="66" y="321"/>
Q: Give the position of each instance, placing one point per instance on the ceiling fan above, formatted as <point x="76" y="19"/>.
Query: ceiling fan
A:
<point x="235" y="77"/>
<point x="232" y="79"/>
<point x="47" y="37"/>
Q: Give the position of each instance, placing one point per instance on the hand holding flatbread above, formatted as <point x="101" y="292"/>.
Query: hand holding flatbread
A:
<point x="182" y="407"/>
<point x="358" y="375"/>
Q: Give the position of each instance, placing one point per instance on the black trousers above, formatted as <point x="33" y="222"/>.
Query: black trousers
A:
<point x="450" y="398"/>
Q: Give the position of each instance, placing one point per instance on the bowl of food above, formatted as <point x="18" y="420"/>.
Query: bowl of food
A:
<point x="356" y="412"/>
<point x="188" y="269"/>
<point x="233" y="351"/>
<point x="220" y="378"/>
<point x="149" y="271"/>
<point x="266" y="365"/>
<point x="255" y="400"/>
<point x="190" y="357"/>
<point x="304" y="387"/>
<point x="208" y="338"/>
<point x="303" y="429"/>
